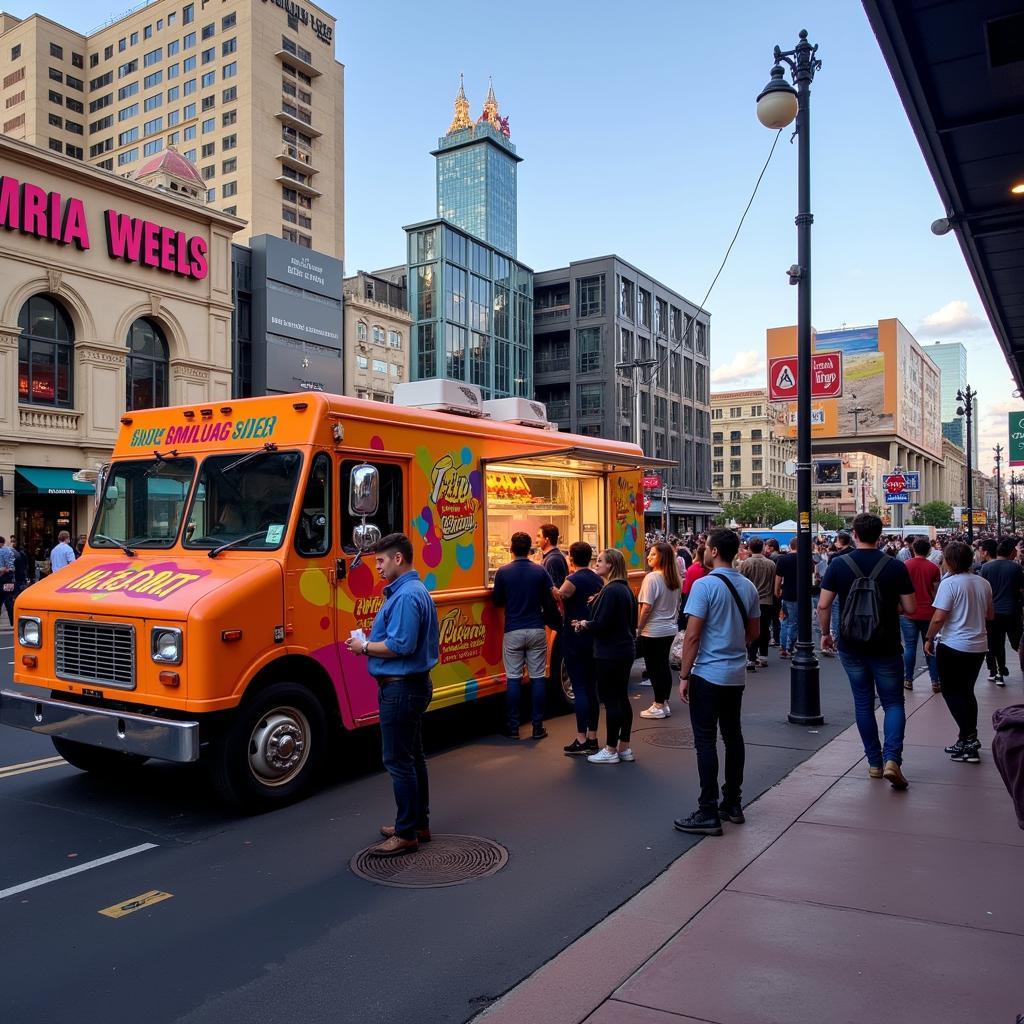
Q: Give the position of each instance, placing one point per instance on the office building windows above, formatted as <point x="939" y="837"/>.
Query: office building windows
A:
<point x="127" y="69"/>
<point x="152" y="147"/>
<point x="228" y="166"/>
<point x="229" y="95"/>
<point x="229" y="70"/>
<point x="209" y="148"/>
<point x="228" y="118"/>
<point x="590" y="296"/>
<point x="152" y="102"/>
<point x="153" y="57"/>
<point x="228" y="46"/>
<point x="127" y="112"/>
<point x="209" y="78"/>
<point x="127" y="90"/>
<point x="129" y="136"/>
<point x="127" y="157"/>
<point x="153" y="79"/>
<point x="154" y="126"/>
<point x="229" y="189"/>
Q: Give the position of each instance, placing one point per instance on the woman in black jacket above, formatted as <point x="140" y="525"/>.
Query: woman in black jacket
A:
<point x="613" y="624"/>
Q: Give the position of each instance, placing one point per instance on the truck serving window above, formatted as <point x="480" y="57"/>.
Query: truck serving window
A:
<point x="253" y="501"/>
<point x="142" y="503"/>
<point x="390" y="517"/>
<point x="313" y="535"/>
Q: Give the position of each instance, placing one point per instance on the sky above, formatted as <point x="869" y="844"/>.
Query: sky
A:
<point x="637" y="127"/>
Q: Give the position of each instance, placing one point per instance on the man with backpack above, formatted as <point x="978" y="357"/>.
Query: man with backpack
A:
<point x="873" y="588"/>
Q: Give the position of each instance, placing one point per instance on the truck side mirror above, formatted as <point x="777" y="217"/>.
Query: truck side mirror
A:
<point x="364" y="491"/>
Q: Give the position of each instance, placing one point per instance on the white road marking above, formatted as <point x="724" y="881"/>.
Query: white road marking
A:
<point x="77" y="870"/>
<point x="9" y="770"/>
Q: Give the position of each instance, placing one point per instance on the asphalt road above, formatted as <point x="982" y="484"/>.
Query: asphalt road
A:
<point x="266" y="921"/>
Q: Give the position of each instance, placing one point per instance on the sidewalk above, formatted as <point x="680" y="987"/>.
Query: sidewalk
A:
<point x="840" y="900"/>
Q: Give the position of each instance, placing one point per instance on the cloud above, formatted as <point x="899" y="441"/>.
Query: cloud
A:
<point x="953" y="318"/>
<point x="742" y="367"/>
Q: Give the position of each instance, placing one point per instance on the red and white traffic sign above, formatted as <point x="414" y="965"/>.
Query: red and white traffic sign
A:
<point x="895" y="483"/>
<point x="652" y="482"/>
<point x="826" y="377"/>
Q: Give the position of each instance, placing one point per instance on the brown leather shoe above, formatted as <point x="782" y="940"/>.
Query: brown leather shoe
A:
<point x="395" y="846"/>
<point x="894" y="774"/>
<point x="874" y="773"/>
<point x="422" y="834"/>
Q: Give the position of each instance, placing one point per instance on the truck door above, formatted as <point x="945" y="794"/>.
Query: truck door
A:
<point x="360" y="591"/>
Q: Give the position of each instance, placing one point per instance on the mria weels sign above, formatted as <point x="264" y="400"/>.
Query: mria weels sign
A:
<point x="52" y="217"/>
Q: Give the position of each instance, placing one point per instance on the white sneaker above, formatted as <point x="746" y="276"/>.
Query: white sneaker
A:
<point x="655" y="712"/>
<point x="604" y="756"/>
<point x="1000" y="681"/>
<point x="668" y="710"/>
<point x="627" y="755"/>
<point x="762" y="661"/>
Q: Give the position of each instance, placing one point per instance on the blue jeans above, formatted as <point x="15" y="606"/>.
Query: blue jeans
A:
<point x="788" y="639"/>
<point x="579" y="664"/>
<point x="402" y="704"/>
<point x="915" y="630"/>
<point x="513" y="694"/>
<point x="867" y="675"/>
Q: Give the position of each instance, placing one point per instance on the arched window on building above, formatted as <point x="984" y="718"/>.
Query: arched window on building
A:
<point x="360" y="331"/>
<point x="46" y="353"/>
<point x="378" y="335"/>
<point x="146" y="366"/>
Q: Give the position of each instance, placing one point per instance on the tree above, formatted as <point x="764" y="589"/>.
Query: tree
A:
<point x="934" y="513"/>
<point x="827" y="520"/>
<point x="762" y="509"/>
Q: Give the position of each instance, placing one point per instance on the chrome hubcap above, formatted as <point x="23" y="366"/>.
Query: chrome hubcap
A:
<point x="279" y="746"/>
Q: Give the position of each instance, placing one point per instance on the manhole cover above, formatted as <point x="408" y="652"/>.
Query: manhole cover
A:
<point x="680" y="736"/>
<point x="446" y="860"/>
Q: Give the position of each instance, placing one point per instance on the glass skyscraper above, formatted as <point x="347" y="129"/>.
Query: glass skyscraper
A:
<point x="476" y="175"/>
<point x="951" y="359"/>
<point x="472" y="311"/>
<point x="470" y="300"/>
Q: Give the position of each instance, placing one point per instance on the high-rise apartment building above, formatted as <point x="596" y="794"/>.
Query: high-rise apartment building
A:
<point x="470" y="300"/>
<point x="597" y="313"/>
<point x="249" y="92"/>
<point x="476" y="174"/>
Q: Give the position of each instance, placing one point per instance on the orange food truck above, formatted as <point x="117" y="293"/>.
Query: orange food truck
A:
<point x="229" y="560"/>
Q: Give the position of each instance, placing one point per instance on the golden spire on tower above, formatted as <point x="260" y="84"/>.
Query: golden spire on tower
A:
<point x="491" y="113"/>
<point x="461" y="119"/>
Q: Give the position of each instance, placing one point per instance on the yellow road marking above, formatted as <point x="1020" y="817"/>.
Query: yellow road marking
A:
<point x="147" y="899"/>
<point x="8" y="771"/>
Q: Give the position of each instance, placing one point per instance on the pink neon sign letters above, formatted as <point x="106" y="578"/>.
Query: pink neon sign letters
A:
<point x="51" y="217"/>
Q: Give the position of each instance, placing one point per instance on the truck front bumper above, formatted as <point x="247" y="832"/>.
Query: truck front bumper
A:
<point x="113" y="730"/>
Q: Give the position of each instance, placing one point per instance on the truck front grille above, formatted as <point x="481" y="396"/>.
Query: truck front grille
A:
<point x="96" y="652"/>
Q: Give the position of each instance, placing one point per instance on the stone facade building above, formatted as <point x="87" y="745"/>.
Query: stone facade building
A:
<point x="122" y="300"/>
<point x="376" y="336"/>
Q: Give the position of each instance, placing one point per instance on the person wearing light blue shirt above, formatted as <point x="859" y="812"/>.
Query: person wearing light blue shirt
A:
<point x="62" y="554"/>
<point x="401" y="650"/>
<point x="723" y="617"/>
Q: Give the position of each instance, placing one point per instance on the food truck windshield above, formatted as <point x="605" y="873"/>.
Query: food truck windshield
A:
<point x="144" y="501"/>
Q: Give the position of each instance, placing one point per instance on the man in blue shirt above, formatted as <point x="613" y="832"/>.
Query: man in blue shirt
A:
<point x="401" y="651"/>
<point x="62" y="554"/>
<point x="723" y="617"/>
<point x="522" y="587"/>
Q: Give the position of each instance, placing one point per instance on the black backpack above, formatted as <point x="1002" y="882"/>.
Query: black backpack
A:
<point x="862" y="609"/>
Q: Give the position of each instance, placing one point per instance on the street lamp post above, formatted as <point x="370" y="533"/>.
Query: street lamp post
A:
<point x="966" y="397"/>
<point x="999" y="490"/>
<point x="1015" y="481"/>
<point x="777" y="105"/>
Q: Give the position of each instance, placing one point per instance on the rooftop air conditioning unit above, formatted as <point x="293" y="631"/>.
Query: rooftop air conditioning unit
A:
<point x="441" y="395"/>
<point x="519" y="410"/>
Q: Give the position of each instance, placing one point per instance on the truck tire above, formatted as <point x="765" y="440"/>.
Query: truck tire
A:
<point x="560" y="695"/>
<point x="271" y="751"/>
<point x="98" y="760"/>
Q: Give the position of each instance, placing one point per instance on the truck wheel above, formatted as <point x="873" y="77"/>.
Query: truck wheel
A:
<point x="98" y="760"/>
<point x="271" y="752"/>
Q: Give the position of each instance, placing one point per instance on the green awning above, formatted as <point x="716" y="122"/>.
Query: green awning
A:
<point x="40" y="480"/>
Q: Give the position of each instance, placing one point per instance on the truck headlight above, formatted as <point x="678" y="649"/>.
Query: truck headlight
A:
<point x="30" y="631"/>
<point x="166" y="645"/>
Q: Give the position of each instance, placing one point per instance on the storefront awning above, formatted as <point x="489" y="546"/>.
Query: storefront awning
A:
<point x="586" y="459"/>
<point x="42" y="480"/>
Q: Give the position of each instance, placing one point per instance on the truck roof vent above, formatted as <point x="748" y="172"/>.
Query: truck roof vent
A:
<point x="519" y="410"/>
<point x="441" y="395"/>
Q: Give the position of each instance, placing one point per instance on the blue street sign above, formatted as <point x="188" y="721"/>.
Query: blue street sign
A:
<point x="902" y="498"/>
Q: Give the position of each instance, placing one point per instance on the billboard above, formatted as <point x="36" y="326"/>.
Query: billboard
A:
<point x="1015" y="449"/>
<point x="890" y="389"/>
